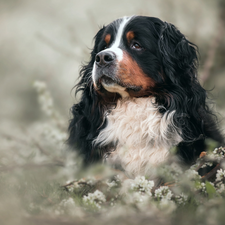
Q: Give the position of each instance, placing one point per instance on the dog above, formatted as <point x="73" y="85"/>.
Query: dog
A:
<point x="140" y="97"/>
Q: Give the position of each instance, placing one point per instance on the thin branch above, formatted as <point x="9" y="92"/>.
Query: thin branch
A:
<point x="212" y="173"/>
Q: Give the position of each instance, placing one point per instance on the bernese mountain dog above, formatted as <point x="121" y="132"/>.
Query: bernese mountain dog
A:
<point x="140" y="97"/>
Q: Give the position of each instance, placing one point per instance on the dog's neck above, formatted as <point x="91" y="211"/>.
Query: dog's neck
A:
<point x="142" y="135"/>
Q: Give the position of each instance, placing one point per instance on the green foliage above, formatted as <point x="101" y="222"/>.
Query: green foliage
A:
<point x="210" y="189"/>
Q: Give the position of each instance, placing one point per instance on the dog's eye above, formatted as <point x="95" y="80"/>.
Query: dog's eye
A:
<point x="136" y="46"/>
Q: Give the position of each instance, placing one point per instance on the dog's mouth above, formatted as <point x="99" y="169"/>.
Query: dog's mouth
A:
<point x="107" y="81"/>
<point x="106" y="84"/>
<point x="112" y="85"/>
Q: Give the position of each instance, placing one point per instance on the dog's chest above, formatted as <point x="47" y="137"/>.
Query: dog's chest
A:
<point x="141" y="134"/>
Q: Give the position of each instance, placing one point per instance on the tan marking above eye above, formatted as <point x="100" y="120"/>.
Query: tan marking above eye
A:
<point x="130" y="36"/>
<point x="107" y="38"/>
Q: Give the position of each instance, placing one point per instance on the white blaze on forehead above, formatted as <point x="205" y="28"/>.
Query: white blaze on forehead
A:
<point x="115" y="46"/>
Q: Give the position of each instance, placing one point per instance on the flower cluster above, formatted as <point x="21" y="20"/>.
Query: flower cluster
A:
<point x="67" y="202"/>
<point x="111" y="184"/>
<point x="200" y="186"/>
<point x="170" y="172"/>
<point x="141" y="184"/>
<point x="217" y="154"/>
<point x="181" y="199"/>
<point x="163" y="193"/>
<point x="220" y="175"/>
<point x="192" y="174"/>
<point x="94" y="199"/>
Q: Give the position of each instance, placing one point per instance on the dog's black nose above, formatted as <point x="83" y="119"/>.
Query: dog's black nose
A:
<point x="105" y="58"/>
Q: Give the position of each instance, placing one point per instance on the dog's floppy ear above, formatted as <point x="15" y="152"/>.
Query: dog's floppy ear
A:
<point x="87" y="115"/>
<point x="179" y="56"/>
<point x="185" y="96"/>
<point x="179" y="66"/>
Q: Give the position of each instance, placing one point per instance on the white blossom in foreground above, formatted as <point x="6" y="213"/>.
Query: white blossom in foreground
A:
<point x="73" y="187"/>
<point x="142" y="185"/>
<point x="94" y="199"/>
<point x="171" y="172"/>
<point x="220" y="175"/>
<point x="220" y="187"/>
<point x="181" y="199"/>
<point x="201" y="187"/>
<point x="219" y="151"/>
<point x="68" y="202"/>
<point x="91" y="180"/>
<point x="139" y="199"/>
<point x="111" y="184"/>
<point x="167" y="206"/>
<point x="192" y="174"/>
<point x="68" y="206"/>
<point x="163" y="193"/>
<point x="65" y="204"/>
<point x="217" y="154"/>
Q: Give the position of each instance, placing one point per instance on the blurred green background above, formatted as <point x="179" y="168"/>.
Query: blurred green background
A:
<point x="48" y="40"/>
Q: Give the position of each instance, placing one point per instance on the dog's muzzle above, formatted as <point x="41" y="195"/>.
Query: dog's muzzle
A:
<point x="105" y="69"/>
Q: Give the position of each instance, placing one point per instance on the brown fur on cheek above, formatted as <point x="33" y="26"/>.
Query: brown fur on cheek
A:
<point x="131" y="75"/>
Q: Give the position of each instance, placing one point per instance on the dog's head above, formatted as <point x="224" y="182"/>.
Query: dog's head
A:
<point x="142" y="56"/>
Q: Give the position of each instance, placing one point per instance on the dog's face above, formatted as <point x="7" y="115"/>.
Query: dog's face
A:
<point x="127" y="57"/>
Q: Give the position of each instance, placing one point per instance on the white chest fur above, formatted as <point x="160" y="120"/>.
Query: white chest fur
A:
<point x="143" y="135"/>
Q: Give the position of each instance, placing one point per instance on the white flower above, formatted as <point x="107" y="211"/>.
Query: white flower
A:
<point x="220" y="187"/>
<point x="171" y="172"/>
<point x="219" y="151"/>
<point x="142" y="185"/>
<point x="167" y="206"/>
<point x="181" y="199"/>
<point x="163" y="193"/>
<point x="201" y="187"/>
<point x="206" y="164"/>
<point x="141" y="200"/>
<point x="217" y="154"/>
<point x="91" y="180"/>
<point x="111" y="184"/>
<point x="67" y="202"/>
<point x="192" y="174"/>
<point x="96" y="199"/>
<point x="220" y="175"/>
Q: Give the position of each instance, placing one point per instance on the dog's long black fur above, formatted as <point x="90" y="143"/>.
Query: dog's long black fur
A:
<point x="171" y="61"/>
